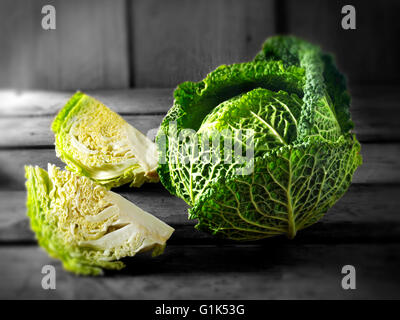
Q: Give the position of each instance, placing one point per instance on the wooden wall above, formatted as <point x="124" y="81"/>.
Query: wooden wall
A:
<point x="153" y="43"/>
<point x="87" y="50"/>
<point x="180" y="40"/>
<point x="368" y="54"/>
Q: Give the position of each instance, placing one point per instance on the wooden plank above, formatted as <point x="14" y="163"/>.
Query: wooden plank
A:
<point x="183" y="40"/>
<point x="27" y="131"/>
<point x="215" y="272"/>
<point x="380" y="165"/>
<point x="375" y="110"/>
<point x="372" y="99"/>
<point x="125" y="102"/>
<point x="367" y="54"/>
<point x="88" y="48"/>
<point x="355" y="218"/>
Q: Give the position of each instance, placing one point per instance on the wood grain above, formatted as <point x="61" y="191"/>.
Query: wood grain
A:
<point x="178" y="40"/>
<point x="15" y="103"/>
<point x="355" y="218"/>
<point x="88" y="48"/>
<point x="374" y="98"/>
<point x="367" y="54"/>
<point x="286" y="271"/>
<point x="375" y="111"/>
<point x="380" y="165"/>
<point x="27" y="131"/>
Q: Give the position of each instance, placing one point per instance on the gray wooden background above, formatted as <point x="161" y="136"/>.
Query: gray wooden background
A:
<point x="101" y="44"/>
<point x="129" y="54"/>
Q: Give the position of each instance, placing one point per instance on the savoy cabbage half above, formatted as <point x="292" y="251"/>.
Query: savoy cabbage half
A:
<point x="86" y="226"/>
<point x="98" y="143"/>
<point x="291" y="102"/>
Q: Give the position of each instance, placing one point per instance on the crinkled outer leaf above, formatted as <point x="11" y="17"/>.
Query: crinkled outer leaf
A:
<point x="96" y="142"/>
<point x="293" y="104"/>
<point x="85" y="226"/>
<point x="322" y="75"/>
<point x="290" y="189"/>
<point x="194" y="100"/>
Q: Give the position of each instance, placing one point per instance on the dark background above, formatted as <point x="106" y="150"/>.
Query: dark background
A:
<point x="125" y="44"/>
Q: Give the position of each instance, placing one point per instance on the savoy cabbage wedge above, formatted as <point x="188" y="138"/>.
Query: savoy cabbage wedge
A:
<point x="86" y="226"/>
<point x="96" y="142"/>
<point x="292" y="104"/>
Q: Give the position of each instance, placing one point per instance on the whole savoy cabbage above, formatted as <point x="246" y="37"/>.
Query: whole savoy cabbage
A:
<point x="295" y="101"/>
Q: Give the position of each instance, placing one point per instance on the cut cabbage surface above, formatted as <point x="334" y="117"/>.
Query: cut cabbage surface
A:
<point x="86" y="226"/>
<point x="96" y="142"/>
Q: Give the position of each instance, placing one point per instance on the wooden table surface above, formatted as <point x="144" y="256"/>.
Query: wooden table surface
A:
<point x="362" y="229"/>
